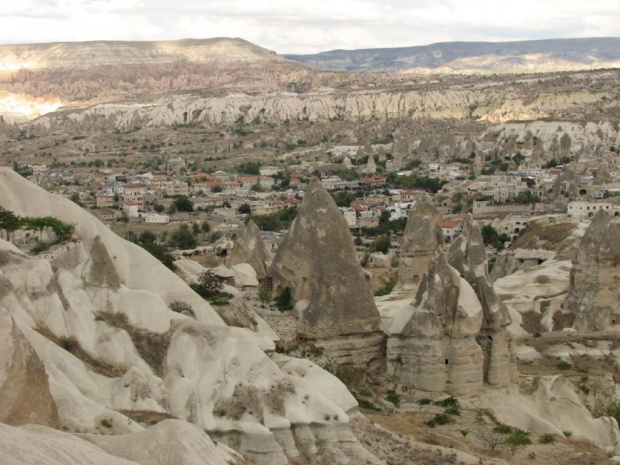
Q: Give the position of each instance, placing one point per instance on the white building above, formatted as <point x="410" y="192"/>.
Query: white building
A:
<point x="157" y="218"/>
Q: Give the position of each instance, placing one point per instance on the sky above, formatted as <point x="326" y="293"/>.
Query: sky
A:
<point x="295" y="26"/>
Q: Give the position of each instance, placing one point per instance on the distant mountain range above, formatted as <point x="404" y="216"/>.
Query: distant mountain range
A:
<point x="474" y="57"/>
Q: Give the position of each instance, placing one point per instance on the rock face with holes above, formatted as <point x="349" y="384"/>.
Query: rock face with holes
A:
<point x="592" y="301"/>
<point x="97" y="314"/>
<point x="421" y="238"/>
<point x="468" y="256"/>
<point x="250" y="248"/>
<point x="317" y="261"/>
<point x="565" y="188"/>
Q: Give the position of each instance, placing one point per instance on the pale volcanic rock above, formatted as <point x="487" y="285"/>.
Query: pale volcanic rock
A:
<point x="250" y="248"/>
<point x="566" y="188"/>
<point x="113" y="347"/>
<point x="593" y="293"/>
<point x="467" y="255"/>
<point x="317" y="261"/>
<point x="24" y="388"/>
<point x="421" y="238"/>
<point x="437" y="349"/>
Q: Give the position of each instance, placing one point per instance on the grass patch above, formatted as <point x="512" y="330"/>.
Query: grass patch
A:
<point x="440" y="420"/>
<point x="547" y="438"/>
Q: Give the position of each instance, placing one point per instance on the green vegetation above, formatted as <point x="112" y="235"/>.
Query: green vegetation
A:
<point x="249" y="167"/>
<point x="526" y="197"/>
<point x="388" y="286"/>
<point x="490" y="236"/>
<point x="183" y="204"/>
<point x="562" y="365"/>
<point x="148" y="241"/>
<point x="179" y="306"/>
<point x="439" y="420"/>
<point x="244" y="209"/>
<point x="425" y="401"/>
<point x="9" y="222"/>
<point x="613" y="410"/>
<point x="382" y="244"/>
<point x="274" y="221"/>
<point x="183" y="238"/>
<point x="517" y="439"/>
<point x="284" y="301"/>
<point x="394" y="398"/>
<point x="433" y="185"/>
<point x="547" y="438"/>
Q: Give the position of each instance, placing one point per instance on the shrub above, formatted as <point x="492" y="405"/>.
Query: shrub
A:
<point x="562" y="365"/>
<point x="448" y="402"/>
<point x="363" y="403"/>
<point x="453" y="411"/>
<point x="464" y="432"/>
<point x="439" y="420"/>
<point x="284" y="301"/>
<point x="425" y="401"/>
<point x="209" y="285"/>
<point x="613" y="410"/>
<point x="547" y="438"/>
<point x="264" y="296"/>
<point x="503" y="429"/>
<point x="387" y="287"/>
<point x="179" y="306"/>
<point x="537" y="334"/>
<point x="317" y="351"/>
<point x="567" y="433"/>
<point x="394" y="398"/>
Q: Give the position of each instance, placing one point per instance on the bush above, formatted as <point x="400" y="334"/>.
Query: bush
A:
<point x="394" y="398"/>
<point x="613" y="410"/>
<point x="363" y="403"/>
<point x="562" y="365"/>
<point x="448" y="402"/>
<point x="284" y="301"/>
<point x="503" y="429"/>
<point x="179" y="306"/>
<point x="547" y="438"/>
<point x="440" y="420"/>
<point x="567" y="433"/>
<point x="388" y="286"/>
<point x="264" y="296"/>
<point x="425" y="401"/>
<point x="382" y="244"/>
<point x="453" y="411"/>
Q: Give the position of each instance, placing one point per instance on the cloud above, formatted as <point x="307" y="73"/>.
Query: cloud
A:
<point x="290" y="26"/>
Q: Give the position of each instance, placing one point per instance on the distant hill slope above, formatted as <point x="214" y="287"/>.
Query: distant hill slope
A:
<point x="474" y="57"/>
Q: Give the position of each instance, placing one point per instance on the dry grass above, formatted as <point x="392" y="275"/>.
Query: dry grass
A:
<point x="152" y="347"/>
<point x="72" y="345"/>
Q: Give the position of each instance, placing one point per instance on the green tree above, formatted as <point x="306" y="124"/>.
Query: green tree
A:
<point x="490" y="236"/>
<point x="244" y="209"/>
<point x="382" y="244"/>
<point x="517" y="439"/>
<point x="205" y="227"/>
<point x="159" y="208"/>
<point x="183" y="238"/>
<point x="209" y="285"/>
<point x="9" y="222"/>
<point x="183" y="204"/>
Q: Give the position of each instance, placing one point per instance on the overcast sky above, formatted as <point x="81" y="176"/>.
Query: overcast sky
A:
<point x="295" y="26"/>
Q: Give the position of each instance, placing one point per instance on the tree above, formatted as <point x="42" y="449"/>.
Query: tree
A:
<point x="244" y="209"/>
<point x="518" y="438"/>
<point x="195" y="228"/>
<point x="490" y="236"/>
<point x="159" y="208"/>
<point x="526" y="197"/>
<point x="147" y="237"/>
<point x="209" y="285"/>
<point x="183" y="204"/>
<point x="9" y="222"/>
<point x="216" y="189"/>
<point x="205" y="227"/>
<point x="382" y="244"/>
<point x="183" y="238"/>
<point x="172" y="209"/>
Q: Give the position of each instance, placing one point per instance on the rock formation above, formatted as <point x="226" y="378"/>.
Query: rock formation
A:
<point x="317" y="261"/>
<point x="566" y="188"/>
<point x="421" y="238"/>
<point x="116" y="355"/>
<point x="592" y="301"/>
<point x="24" y="390"/>
<point x="468" y="256"/>
<point x="250" y="248"/>
<point x="435" y="349"/>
